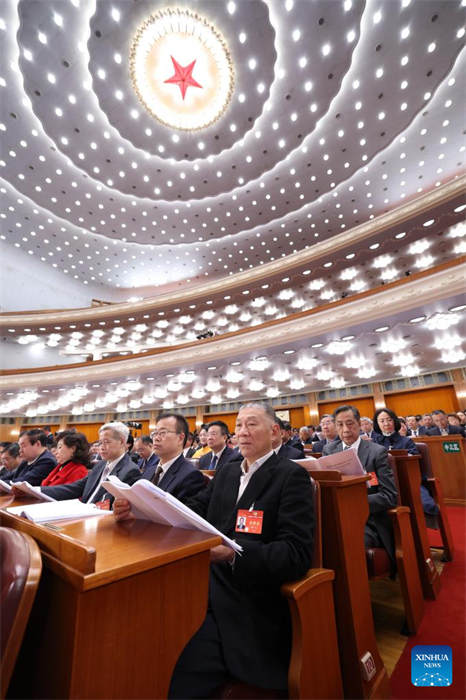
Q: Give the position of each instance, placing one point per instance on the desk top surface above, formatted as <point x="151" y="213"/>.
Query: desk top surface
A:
<point x="96" y="550"/>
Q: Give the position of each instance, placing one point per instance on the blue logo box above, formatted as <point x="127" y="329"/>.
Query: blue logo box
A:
<point x="431" y="665"/>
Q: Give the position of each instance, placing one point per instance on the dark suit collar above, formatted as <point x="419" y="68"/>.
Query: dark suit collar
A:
<point x="172" y="471"/>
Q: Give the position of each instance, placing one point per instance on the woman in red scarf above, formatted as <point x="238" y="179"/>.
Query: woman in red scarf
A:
<point x="73" y="459"/>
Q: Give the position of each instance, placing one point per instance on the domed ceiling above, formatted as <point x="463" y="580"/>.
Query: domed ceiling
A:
<point x="153" y="149"/>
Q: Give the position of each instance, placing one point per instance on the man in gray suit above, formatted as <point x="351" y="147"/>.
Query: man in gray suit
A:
<point x="381" y="492"/>
<point x="116" y="461"/>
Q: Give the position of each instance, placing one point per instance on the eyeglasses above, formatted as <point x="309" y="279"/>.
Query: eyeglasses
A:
<point x="162" y="434"/>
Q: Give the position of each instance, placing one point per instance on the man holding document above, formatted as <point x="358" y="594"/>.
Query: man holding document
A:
<point x="382" y="491"/>
<point x="266" y="504"/>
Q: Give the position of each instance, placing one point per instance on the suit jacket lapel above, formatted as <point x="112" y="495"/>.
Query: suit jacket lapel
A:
<point x="363" y="453"/>
<point x="169" y="477"/>
<point x="225" y="499"/>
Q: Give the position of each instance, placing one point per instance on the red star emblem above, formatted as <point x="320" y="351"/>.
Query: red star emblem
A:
<point x="183" y="77"/>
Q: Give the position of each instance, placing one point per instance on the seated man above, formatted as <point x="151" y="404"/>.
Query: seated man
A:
<point x="291" y="439"/>
<point x="116" y="460"/>
<point x="442" y="426"/>
<point x="329" y="432"/>
<point x="217" y="436"/>
<point x="280" y="448"/>
<point x="37" y="461"/>
<point x="414" y="427"/>
<point x="246" y="633"/>
<point x="10" y="459"/>
<point x="382" y="492"/>
<point x="174" y="474"/>
<point x="148" y="460"/>
<point x="367" y="428"/>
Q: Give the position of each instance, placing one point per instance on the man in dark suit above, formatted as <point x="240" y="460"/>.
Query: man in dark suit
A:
<point x="382" y="492"/>
<point x="329" y="432"/>
<point x="292" y="440"/>
<point x="217" y="436"/>
<point x="116" y="461"/>
<point x="148" y="460"/>
<point x="174" y="474"/>
<point x="442" y="426"/>
<point x="37" y="462"/>
<point x="189" y="450"/>
<point x="246" y="633"/>
<point x="284" y="451"/>
<point x="367" y="428"/>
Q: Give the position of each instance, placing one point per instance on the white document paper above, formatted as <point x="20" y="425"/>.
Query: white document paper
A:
<point x="72" y="509"/>
<point x="149" y="502"/>
<point x="4" y="487"/>
<point x="346" y="462"/>
<point x="34" y="491"/>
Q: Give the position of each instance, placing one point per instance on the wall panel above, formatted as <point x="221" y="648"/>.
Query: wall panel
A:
<point x="297" y="417"/>
<point x="228" y="418"/>
<point x="364" y="405"/>
<point x="423" y="401"/>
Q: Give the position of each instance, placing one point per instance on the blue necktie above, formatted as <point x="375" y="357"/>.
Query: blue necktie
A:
<point x="213" y="463"/>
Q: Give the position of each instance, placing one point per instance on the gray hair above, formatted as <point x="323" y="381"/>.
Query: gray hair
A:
<point x="268" y="410"/>
<point x="368" y="419"/>
<point x="120" y="430"/>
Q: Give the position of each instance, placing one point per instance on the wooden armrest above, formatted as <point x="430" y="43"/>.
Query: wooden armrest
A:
<point x="398" y="511"/>
<point x="313" y="578"/>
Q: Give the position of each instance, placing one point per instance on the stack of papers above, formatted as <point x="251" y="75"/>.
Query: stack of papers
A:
<point x="347" y="462"/>
<point x="26" y="489"/>
<point x="72" y="509"/>
<point x="6" y="488"/>
<point x="149" y="502"/>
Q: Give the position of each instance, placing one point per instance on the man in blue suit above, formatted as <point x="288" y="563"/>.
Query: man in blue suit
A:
<point x="148" y="460"/>
<point x="174" y="473"/>
<point x="37" y="462"/>
<point x="116" y="461"/>
<point x="217" y="436"/>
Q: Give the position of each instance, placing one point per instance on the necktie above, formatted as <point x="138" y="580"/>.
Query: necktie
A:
<point x="156" y="477"/>
<point x="213" y="463"/>
<point x="105" y="473"/>
<point x="143" y="466"/>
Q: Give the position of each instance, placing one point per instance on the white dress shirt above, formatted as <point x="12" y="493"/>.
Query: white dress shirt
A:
<point x="105" y="472"/>
<point x="246" y="475"/>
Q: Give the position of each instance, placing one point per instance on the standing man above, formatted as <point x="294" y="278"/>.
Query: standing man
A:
<point x="148" y="460"/>
<point x="381" y="492"/>
<point x="116" y="460"/>
<point x="37" y="462"/>
<point x="217" y="436"/>
<point x="246" y="633"/>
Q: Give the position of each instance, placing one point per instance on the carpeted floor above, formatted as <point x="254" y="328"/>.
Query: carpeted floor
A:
<point x="444" y="622"/>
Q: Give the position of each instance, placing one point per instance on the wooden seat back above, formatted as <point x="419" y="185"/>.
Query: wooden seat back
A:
<point x="21" y="566"/>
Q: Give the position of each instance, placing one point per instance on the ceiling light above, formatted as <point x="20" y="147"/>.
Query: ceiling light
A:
<point x="338" y="347"/>
<point x="440" y="322"/>
<point x="176" y="54"/>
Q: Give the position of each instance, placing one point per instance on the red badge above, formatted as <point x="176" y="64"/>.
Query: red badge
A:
<point x="249" y="521"/>
<point x="373" y="479"/>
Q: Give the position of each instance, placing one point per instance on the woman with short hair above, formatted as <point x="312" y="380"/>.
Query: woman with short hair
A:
<point x="73" y="459"/>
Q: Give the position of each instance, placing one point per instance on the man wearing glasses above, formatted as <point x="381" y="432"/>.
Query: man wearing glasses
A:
<point x="174" y="472"/>
<point x="116" y="461"/>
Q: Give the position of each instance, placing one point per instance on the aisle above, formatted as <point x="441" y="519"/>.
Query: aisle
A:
<point x="444" y="622"/>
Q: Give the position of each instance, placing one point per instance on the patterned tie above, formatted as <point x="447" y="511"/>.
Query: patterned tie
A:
<point x="156" y="477"/>
<point x="213" y="463"/>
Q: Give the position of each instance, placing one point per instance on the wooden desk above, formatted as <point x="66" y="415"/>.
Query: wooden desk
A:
<point x="345" y="510"/>
<point x="448" y="466"/>
<point x="409" y="482"/>
<point x="116" y="605"/>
